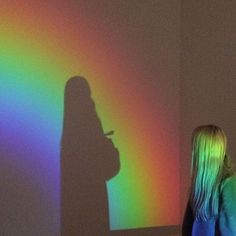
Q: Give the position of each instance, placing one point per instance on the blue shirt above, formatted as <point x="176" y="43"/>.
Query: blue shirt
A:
<point x="224" y="225"/>
<point x="206" y="228"/>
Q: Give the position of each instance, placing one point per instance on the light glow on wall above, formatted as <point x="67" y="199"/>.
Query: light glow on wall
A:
<point x="42" y="45"/>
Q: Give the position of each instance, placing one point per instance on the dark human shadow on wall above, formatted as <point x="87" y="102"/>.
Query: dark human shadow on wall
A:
<point x="88" y="160"/>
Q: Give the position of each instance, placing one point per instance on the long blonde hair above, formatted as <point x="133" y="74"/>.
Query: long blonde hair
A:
<point x="210" y="165"/>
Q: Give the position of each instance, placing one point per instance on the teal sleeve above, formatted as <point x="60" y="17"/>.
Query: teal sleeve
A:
<point x="227" y="211"/>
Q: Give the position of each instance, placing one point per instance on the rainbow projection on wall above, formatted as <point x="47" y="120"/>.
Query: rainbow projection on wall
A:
<point x="42" y="44"/>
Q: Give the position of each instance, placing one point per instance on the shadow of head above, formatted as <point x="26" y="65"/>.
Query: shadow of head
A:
<point x="77" y="85"/>
<point x="88" y="160"/>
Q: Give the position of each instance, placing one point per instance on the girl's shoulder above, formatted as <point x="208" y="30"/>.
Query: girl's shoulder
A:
<point x="228" y="185"/>
<point x="231" y="180"/>
<point x="227" y="209"/>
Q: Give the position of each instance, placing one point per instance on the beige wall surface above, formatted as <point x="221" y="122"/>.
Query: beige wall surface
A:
<point x="208" y="74"/>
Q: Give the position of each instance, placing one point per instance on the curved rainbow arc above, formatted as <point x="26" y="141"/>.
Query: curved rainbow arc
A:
<point x="41" y="76"/>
